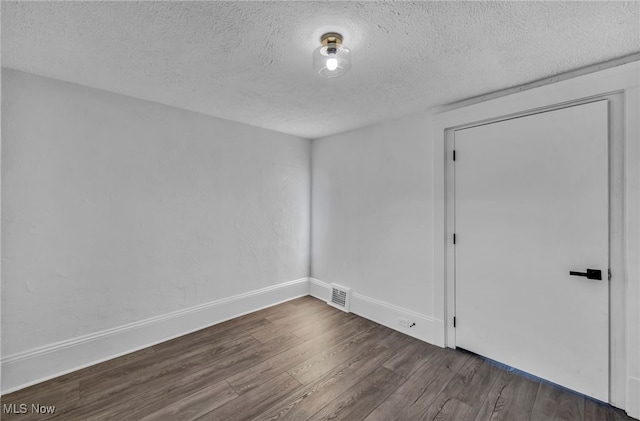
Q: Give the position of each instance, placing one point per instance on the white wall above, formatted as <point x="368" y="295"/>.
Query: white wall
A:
<point x="372" y="227"/>
<point x="116" y="210"/>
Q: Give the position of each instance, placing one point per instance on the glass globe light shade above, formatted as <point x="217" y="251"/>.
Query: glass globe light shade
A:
<point x="331" y="60"/>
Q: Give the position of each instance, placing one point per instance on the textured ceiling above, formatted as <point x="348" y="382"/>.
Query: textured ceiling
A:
<point x="251" y="61"/>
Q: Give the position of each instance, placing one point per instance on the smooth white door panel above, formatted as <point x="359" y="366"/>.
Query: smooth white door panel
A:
<point x="531" y="205"/>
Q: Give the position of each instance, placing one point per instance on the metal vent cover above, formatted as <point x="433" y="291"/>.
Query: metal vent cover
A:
<point x="340" y="297"/>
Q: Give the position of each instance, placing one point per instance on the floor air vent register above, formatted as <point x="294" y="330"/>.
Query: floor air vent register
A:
<point x="340" y="297"/>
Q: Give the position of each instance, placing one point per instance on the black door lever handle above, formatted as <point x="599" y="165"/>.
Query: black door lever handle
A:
<point x="589" y="274"/>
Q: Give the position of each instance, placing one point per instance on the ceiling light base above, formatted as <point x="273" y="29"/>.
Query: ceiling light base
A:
<point x="331" y="38"/>
<point x="331" y="59"/>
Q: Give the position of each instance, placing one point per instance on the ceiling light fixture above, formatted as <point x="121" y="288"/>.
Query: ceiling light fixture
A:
<point x="331" y="59"/>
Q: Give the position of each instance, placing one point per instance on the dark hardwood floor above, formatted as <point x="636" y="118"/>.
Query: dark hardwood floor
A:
<point x="302" y="360"/>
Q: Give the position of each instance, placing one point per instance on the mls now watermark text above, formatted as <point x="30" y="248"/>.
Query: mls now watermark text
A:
<point x="23" y="408"/>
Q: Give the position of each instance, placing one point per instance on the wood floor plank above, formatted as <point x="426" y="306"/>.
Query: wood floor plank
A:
<point x="348" y="368"/>
<point x="472" y="382"/>
<point x="299" y="323"/>
<point x="274" y="311"/>
<point x="412" y="357"/>
<point x="212" y="336"/>
<point x="449" y="358"/>
<point x="310" y="369"/>
<point x="269" y="368"/>
<point x="117" y="399"/>
<point x="511" y="397"/>
<point x="64" y="391"/>
<point x="309" y="302"/>
<point x="116" y="384"/>
<point x="595" y="413"/>
<point x="306" y="300"/>
<point x="617" y="414"/>
<point x="323" y="326"/>
<point x="243" y="325"/>
<point x="361" y="399"/>
<point x="553" y="403"/>
<point x="195" y="405"/>
<point x="414" y="397"/>
<point x="298" y="312"/>
<point x="162" y="393"/>
<point x="170" y="353"/>
<point x="446" y="408"/>
<point x="57" y="393"/>
<point x="304" y="313"/>
<point x="313" y="397"/>
<point x="254" y="402"/>
<point x="97" y="370"/>
<point x="396" y="340"/>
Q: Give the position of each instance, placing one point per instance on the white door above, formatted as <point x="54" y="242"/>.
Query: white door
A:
<point x="531" y="206"/>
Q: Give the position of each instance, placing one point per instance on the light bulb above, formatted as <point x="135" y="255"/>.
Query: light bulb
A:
<point x="332" y="63"/>
<point x="332" y="58"/>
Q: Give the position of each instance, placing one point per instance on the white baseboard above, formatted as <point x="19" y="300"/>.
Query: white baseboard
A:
<point x="320" y="290"/>
<point x="43" y="363"/>
<point x="384" y="313"/>
<point x="633" y="397"/>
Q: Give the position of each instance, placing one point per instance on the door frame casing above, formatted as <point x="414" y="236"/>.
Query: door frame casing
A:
<point x="620" y="86"/>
